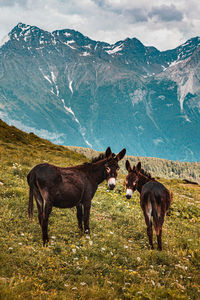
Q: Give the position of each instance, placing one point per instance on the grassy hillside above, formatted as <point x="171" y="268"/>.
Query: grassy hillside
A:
<point x="156" y="166"/>
<point x="115" y="261"/>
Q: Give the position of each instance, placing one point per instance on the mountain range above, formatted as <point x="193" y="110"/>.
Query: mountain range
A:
<point x="73" y="90"/>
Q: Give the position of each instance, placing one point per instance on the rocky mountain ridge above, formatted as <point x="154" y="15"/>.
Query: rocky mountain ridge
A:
<point x="75" y="91"/>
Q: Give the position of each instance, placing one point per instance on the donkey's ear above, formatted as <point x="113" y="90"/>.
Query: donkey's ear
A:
<point x="128" y="166"/>
<point x="121" y="154"/>
<point x="108" y="152"/>
<point x="138" y="167"/>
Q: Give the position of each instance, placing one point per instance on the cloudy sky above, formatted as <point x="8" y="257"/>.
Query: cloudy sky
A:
<point x="164" y="24"/>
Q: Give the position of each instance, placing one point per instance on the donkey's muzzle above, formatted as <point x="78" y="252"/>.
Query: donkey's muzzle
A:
<point x="111" y="187"/>
<point x="129" y="193"/>
<point x="111" y="183"/>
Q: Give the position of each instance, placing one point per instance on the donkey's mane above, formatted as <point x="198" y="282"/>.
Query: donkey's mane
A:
<point x="145" y="173"/>
<point x="100" y="157"/>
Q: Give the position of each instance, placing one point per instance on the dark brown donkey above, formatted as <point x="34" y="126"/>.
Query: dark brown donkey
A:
<point x="71" y="186"/>
<point x="155" y="199"/>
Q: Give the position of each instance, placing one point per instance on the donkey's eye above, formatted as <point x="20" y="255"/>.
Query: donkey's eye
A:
<point x="108" y="169"/>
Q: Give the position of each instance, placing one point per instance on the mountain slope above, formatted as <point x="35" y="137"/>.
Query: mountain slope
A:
<point x="75" y="91"/>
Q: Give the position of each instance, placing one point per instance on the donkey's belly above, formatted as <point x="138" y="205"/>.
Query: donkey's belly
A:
<point x="67" y="198"/>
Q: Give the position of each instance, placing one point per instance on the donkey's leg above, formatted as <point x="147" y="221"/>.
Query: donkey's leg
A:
<point x="39" y="213"/>
<point x="159" y="233"/>
<point x="149" y="229"/>
<point x="87" y="207"/>
<point x="79" y="215"/>
<point x="159" y="240"/>
<point x="147" y="210"/>
<point x="39" y="203"/>
<point x="45" y="218"/>
<point x="46" y="210"/>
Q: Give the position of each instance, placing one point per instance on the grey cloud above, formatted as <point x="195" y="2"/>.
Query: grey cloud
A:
<point x="132" y="15"/>
<point x="100" y="3"/>
<point x="136" y="15"/>
<point x="166" y="13"/>
<point x="9" y="3"/>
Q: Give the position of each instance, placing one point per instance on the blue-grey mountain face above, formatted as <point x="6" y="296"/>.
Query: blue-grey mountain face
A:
<point x="75" y="91"/>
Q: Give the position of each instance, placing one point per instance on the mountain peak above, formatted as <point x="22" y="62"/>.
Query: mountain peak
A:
<point x="22" y="29"/>
<point x="19" y="28"/>
<point x="188" y="48"/>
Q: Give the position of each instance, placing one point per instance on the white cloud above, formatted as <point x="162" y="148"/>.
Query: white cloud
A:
<point x="160" y="23"/>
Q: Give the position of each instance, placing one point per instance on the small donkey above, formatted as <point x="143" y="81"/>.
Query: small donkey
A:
<point x="155" y="199"/>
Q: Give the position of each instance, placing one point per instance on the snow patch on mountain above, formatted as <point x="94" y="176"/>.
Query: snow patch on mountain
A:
<point x="68" y="43"/>
<point x="81" y="128"/>
<point x="115" y="49"/>
<point x="85" y="54"/>
<point x="70" y="84"/>
<point x="47" y="78"/>
<point x="69" y="110"/>
<point x="137" y="96"/>
<point x="67" y="34"/>
<point x="53" y="76"/>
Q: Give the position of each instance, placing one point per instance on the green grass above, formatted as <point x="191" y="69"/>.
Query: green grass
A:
<point x="115" y="261"/>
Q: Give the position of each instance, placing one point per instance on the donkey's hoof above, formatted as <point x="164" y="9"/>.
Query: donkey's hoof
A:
<point x="87" y="231"/>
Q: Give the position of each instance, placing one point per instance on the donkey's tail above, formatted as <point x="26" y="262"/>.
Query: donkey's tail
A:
<point x="155" y="214"/>
<point x="30" y="180"/>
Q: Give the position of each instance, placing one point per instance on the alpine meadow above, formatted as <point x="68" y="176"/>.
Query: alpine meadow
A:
<point x="115" y="260"/>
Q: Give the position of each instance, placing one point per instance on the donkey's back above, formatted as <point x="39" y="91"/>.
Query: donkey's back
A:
<point x="45" y="174"/>
<point x="156" y="191"/>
